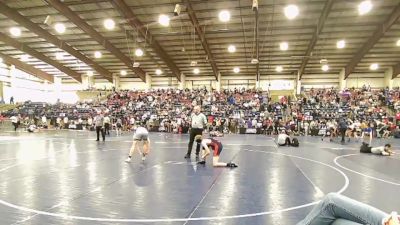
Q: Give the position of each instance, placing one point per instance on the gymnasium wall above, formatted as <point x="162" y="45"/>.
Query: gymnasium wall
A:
<point x="358" y="80"/>
<point x="23" y="86"/>
<point x="396" y="82"/>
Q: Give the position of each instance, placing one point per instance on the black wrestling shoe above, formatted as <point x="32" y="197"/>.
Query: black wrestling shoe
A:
<point x="231" y="165"/>
<point x="187" y="156"/>
<point x="201" y="162"/>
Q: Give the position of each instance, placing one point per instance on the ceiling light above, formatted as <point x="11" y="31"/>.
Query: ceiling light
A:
<point x="196" y="71"/>
<point x="236" y="70"/>
<point x="231" y="48"/>
<point x="158" y="71"/>
<point x="24" y="58"/>
<point x="254" y="61"/>
<point x="398" y="42"/>
<point x="123" y="72"/>
<point x="374" y="66"/>
<point x="89" y="73"/>
<point x="279" y="69"/>
<point x="325" y="68"/>
<point x="341" y="44"/>
<point x="15" y="31"/>
<point x="163" y="20"/>
<point x="59" y="56"/>
<point x="109" y="24"/>
<point x="193" y="63"/>
<point x="60" y="28"/>
<point x="139" y="52"/>
<point x="255" y="5"/>
<point x="364" y="7"/>
<point x="291" y="11"/>
<point x="284" y="46"/>
<point x="224" y="16"/>
<point x="97" y="54"/>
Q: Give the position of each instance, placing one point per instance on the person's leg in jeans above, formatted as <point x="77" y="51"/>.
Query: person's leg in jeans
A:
<point x="334" y="206"/>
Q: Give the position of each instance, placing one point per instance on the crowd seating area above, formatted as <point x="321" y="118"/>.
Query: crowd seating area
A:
<point x="229" y="111"/>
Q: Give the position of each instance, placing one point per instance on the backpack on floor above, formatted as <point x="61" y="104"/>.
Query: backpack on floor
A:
<point x="396" y="134"/>
<point x="295" y="142"/>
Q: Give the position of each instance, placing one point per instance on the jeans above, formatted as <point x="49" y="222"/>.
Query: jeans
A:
<point x="340" y="210"/>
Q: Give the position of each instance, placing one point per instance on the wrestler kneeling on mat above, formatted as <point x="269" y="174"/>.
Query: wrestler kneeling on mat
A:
<point x="141" y="135"/>
<point x="216" y="146"/>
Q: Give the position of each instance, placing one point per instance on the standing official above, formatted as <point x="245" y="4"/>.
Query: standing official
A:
<point x="199" y="122"/>
<point x="99" y="122"/>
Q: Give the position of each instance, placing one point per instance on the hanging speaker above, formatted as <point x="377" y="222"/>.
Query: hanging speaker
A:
<point x="255" y="5"/>
<point x="177" y="10"/>
<point x="48" y="20"/>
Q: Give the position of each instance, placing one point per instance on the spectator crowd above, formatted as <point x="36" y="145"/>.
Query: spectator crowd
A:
<point x="321" y="112"/>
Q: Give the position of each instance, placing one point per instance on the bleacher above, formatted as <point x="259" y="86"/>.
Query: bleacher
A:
<point x="92" y="95"/>
<point x="7" y="107"/>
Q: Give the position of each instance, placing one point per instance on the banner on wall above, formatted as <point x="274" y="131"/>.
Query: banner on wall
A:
<point x="279" y="85"/>
<point x="1" y="89"/>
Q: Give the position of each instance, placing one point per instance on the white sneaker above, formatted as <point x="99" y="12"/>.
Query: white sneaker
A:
<point x="128" y="160"/>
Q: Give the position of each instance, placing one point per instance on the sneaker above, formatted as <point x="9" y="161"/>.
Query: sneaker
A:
<point x="231" y="164"/>
<point x="143" y="157"/>
<point x="128" y="160"/>
<point x="202" y="162"/>
<point x="187" y="156"/>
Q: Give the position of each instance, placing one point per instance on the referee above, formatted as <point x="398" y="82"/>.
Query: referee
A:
<point x="199" y="121"/>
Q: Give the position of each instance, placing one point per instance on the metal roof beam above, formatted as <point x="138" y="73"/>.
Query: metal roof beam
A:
<point x="203" y="40"/>
<point x="377" y="35"/>
<point x="79" y="22"/>
<point x="257" y="46"/>
<point x="317" y="32"/>
<point x="396" y="71"/>
<point x="33" y="27"/>
<point x="27" y="68"/>
<point x="135" y="23"/>
<point x="24" y="48"/>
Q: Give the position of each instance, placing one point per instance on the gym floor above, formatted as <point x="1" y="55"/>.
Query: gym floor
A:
<point x="66" y="177"/>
